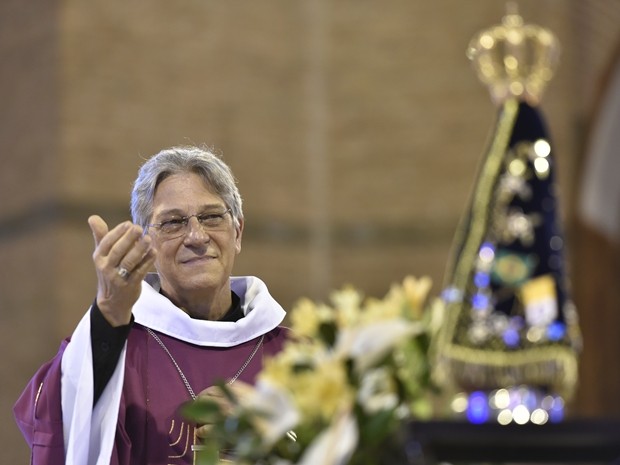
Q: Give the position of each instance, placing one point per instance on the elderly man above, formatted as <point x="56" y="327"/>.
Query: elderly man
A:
<point x="151" y="341"/>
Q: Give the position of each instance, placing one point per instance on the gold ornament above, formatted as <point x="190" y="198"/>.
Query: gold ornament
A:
<point x="515" y="59"/>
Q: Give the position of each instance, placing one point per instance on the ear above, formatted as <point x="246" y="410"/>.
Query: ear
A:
<point x="238" y="235"/>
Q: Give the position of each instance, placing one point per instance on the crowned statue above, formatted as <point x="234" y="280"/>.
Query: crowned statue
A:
<point x="510" y="342"/>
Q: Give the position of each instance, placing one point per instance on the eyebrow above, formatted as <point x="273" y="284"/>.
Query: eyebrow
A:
<point x="181" y="212"/>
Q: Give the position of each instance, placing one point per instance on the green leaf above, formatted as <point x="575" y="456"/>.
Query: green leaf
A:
<point x="328" y="333"/>
<point x="201" y="410"/>
<point x="299" y="367"/>
<point x="375" y="427"/>
<point x="208" y="455"/>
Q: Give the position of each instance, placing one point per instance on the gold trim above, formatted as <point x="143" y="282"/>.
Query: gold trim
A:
<point x="186" y="445"/>
<point x="474" y="224"/>
<point x="171" y="427"/>
<point x="484" y="191"/>
<point x="36" y="398"/>
<point x="484" y="188"/>
<point x="554" y="367"/>
<point x="180" y="435"/>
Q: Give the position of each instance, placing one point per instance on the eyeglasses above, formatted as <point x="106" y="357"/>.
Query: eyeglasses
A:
<point x="177" y="227"/>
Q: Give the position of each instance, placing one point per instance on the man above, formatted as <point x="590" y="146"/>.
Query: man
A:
<point x="151" y="341"/>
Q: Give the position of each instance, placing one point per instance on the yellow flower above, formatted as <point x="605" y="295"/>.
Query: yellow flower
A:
<point x="322" y="392"/>
<point x="347" y="303"/>
<point x="281" y="368"/>
<point x="416" y="290"/>
<point x="377" y="310"/>
<point x="276" y="370"/>
<point x="306" y="317"/>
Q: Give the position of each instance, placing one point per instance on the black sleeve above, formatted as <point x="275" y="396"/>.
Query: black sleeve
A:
<point x="107" y="342"/>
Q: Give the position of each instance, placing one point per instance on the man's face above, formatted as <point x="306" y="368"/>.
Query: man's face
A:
<point x="198" y="263"/>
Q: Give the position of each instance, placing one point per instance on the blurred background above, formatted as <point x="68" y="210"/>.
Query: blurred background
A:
<point x="355" y="129"/>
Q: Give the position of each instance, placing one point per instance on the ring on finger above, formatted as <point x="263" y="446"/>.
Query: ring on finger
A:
<point x="122" y="272"/>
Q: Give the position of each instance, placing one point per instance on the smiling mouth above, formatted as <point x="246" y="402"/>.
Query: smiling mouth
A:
<point x="192" y="260"/>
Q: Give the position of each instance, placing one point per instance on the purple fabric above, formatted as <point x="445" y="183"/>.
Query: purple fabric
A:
<point x="39" y="416"/>
<point x="150" y="429"/>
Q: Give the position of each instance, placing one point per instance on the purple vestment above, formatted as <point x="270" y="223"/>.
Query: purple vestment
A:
<point x="136" y="419"/>
<point x="39" y="415"/>
<point x="149" y="429"/>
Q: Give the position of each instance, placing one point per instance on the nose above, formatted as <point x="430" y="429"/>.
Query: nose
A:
<point x="195" y="232"/>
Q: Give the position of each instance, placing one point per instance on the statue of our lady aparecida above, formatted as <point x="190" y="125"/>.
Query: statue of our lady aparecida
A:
<point x="510" y="339"/>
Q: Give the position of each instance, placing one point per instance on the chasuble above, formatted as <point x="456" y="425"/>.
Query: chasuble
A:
<point x="167" y="356"/>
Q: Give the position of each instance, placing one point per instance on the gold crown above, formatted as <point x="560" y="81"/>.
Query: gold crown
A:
<point x="515" y="59"/>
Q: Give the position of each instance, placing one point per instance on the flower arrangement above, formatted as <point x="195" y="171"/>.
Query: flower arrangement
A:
<point x="338" y="392"/>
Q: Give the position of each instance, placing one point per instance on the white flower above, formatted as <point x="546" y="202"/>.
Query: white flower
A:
<point x="368" y="344"/>
<point x="278" y="414"/>
<point x="377" y="391"/>
<point x="335" y="445"/>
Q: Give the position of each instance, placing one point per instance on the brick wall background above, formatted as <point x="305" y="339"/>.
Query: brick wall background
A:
<point x="354" y="128"/>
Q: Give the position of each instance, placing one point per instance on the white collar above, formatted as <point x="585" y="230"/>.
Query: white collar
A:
<point x="262" y="314"/>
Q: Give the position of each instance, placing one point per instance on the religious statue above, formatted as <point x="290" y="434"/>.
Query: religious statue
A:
<point x="510" y="340"/>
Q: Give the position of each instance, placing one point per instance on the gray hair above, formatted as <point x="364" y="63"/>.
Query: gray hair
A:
<point x="184" y="159"/>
